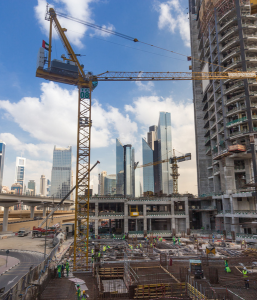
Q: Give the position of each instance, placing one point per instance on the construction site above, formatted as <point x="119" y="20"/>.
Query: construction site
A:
<point x="189" y="267"/>
<point x="166" y="246"/>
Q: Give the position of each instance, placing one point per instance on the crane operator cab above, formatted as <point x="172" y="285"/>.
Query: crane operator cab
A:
<point x="195" y="268"/>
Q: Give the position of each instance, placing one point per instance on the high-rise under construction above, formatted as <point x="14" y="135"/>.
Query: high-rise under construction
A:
<point x="224" y="38"/>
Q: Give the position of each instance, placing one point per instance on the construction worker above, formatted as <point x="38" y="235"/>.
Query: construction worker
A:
<point x="245" y="278"/>
<point x="78" y="292"/>
<point x="140" y="245"/>
<point x="63" y="270"/>
<point x="227" y="268"/>
<point x="113" y="235"/>
<point x="59" y="269"/>
<point x="67" y="266"/>
<point x="174" y="240"/>
<point x="104" y="248"/>
<point x="179" y="240"/>
<point x="213" y="237"/>
<point x="124" y="236"/>
<point x="161" y="239"/>
<point x="92" y="258"/>
<point x="84" y="295"/>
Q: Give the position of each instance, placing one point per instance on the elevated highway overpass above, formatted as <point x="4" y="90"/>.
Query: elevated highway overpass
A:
<point x="9" y="200"/>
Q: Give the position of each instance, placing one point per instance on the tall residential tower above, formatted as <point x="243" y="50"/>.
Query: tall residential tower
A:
<point x="224" y="38"/>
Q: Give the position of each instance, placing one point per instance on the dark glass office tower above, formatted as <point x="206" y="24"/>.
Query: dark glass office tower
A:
<point x="61" y="172"/>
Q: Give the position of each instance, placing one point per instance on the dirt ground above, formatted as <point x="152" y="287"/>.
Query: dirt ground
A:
<point x="26" y="243"/>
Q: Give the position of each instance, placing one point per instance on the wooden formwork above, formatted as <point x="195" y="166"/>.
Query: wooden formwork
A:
<point x="159" y="290"/>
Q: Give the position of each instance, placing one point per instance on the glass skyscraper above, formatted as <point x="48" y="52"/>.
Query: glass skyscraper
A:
<point x="165" y="152"/>
<point x="61" y="172"/>
<point x="119" y="168"/>
<point x="125" y="173"/>
<point x="148" y="172"/>
<point x="110" y="184"/>
<point x="32" y="186"/>
<point x="2" y="154"/>
<point x="20" y="172"/>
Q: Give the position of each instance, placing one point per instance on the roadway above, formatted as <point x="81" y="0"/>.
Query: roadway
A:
<point x="27" y="259"/>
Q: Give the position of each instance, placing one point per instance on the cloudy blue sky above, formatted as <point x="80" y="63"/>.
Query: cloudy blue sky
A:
<point x="37" y="114"/>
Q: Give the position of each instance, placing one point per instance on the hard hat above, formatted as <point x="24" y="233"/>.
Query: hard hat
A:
<point x="244" y="268"/>
<point x="78" y="285"/>
<point x="84" y="292"/>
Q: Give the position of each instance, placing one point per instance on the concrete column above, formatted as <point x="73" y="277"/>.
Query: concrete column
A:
<point x="145" y="218"/>
<point x="187" y="214"/>
<point x="172" y="208"/>
<point x="126" y="217"/>
<point x="96" y="209"/>
<point x="44" y="211"/>
<point x="96" y="227"/>
<point x="136" y="225"/>
<point x="32" y="212"/>
<point x="5" y="220"/>
<point x="150" y="224"/>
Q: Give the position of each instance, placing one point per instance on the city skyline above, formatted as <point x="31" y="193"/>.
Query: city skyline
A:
<point x="124" y="110"/>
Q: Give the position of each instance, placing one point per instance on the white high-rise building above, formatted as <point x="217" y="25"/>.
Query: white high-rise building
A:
<point x="43" y="185"/>
<point x="20" y="171"/>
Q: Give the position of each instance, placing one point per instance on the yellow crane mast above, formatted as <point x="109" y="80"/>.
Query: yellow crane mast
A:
<point x="70" y="71"/>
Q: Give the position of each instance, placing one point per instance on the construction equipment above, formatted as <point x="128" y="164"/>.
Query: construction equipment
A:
<point x="71" y="72"/>
<point x="133" y="211"/>
<point x="174" y="162"/>
<point x="253" y="4"/>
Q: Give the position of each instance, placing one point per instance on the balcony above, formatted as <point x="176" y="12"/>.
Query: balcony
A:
<point x="234" y="40"/>
<point x="158" y="213"/>
<point x="245" y="212"/>
<point x="112" y="214"/>
<point x="236" y="109"/>
<point x="180" y="212"/>
<point x="238" y="132"/>
<point x="229" y="32"/>
<point x="235" y="98"/>
<point x="208" y="151"/>
<point x="233" y="87"/>
<point x="221" y="129"/>
<point x="237" y="121"/>
<point x="207" y="141"/>
<point x="231" y="54"/>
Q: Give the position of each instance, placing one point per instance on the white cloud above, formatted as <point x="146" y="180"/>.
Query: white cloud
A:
<point x="79" y="9"/>
<point x="22" y="148"/>
<point x="52" y="119"/>
<point x="172" y="17"/>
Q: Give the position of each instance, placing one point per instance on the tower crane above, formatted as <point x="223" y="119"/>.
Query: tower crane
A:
<point x="70" y="71"/>
<point x="174" y="167"/>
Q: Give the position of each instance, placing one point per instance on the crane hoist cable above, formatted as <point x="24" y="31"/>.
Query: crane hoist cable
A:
<point x="127" y="37"/>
